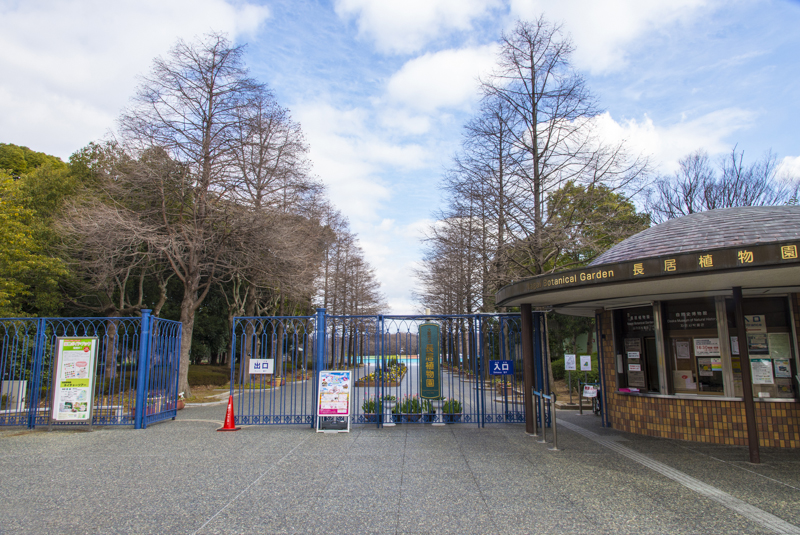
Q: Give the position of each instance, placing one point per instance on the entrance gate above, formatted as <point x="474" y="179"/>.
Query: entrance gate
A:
<point x="383" y="353"/>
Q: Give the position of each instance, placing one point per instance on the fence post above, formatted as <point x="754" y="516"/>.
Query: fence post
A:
<point x="320" y="354"/>
<point x="141" y="370"/>
<point x="38" y="359"/>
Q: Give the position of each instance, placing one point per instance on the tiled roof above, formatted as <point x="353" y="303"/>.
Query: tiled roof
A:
<point x="727" y="227"/>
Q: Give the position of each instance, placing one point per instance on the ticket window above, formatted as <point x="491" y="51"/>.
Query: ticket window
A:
<point x="695" y="361"/>
<point x="637" y="362"/>
<point x="770" y="344"/>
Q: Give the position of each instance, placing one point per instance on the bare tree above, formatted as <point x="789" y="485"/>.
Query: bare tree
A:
<point x="698" y="185"/>
<point x="551" y="121"/>
<point x="189" y="107"/>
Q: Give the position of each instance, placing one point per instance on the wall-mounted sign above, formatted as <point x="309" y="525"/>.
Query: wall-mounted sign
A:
<point x="73" y="381"/>
<point x="634" y="367"/>
<point x="501" y="367"/>
<point x="430" y="377"/>
<point x="569" y="363"/>
<point x="586" y="363"/>
<point x="262" y="366"/>
<point x="731" y="258"/>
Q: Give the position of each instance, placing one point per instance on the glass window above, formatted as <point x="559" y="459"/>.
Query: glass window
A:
<point x="693" y="352"/>
<point x="637" y="366"/>
<point x="769" y="344"/>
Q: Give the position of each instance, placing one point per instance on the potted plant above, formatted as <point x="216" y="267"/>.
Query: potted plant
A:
<point x="428" y="411"/>
<point x="410" y="409"/>
<point x="181" y="401"/>
<point x="370" y="407"/>
<point x="451" y="410"/>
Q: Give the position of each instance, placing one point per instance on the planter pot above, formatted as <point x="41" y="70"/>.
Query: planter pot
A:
<point x="370" y="417"/>
<point x="452" y="418"/>
<point x="398" y="418"/>
<point x="428" y="418"/>
<point x="181" y="404"/>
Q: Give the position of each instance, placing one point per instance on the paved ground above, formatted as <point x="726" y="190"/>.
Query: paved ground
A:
<point x="183" y="477"/>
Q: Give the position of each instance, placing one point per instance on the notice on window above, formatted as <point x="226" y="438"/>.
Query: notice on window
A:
<point x="762" y="371"/>
<point x="779" y="346"/>
<point x="633" y="355"/>
<point x="783" y="368"/>
<point x="734" y="345"/>
<point x="757" y="344"/>
<point x="706" y="347"/>
<point x="683" y="350"/>
<point x="704" y="367"/>
<point x="335" y="388"/>
<point x="755" y="324"/>
<point x="634" y="367"/>
<point x="569" y="363"/>
<point x="73" y="385"/>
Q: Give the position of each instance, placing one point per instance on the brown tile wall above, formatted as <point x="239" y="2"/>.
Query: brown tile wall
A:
<point x="718" y="422"/>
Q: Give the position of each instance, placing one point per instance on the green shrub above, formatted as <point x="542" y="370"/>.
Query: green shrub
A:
<point x="558" y="369"/>
<point x="209" y="375"/>
<point x="451" y="406"/>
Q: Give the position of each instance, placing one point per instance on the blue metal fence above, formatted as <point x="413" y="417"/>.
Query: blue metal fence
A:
<point x="137" y="368"/>
<point x="383" y="354"/>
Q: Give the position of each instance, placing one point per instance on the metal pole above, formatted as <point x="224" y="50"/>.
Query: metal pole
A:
<point x="553" y="421"/>
<point x="598" y="325"/>
<point x="544" y="421"/>
<point x="527" y="366"/>
<point x="38" y="358"/>
<point x="320" y="350"/>
<point x="141" y="370"/>
<point x="747" y="387"/>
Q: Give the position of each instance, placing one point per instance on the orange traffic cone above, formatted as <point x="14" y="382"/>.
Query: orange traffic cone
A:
<point x="230" y="424"/>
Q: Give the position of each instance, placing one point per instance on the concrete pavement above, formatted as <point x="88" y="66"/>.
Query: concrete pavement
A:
<point x="183" y="477"/>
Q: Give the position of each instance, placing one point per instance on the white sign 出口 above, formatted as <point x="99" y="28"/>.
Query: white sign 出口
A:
<point x="569" y="363"/>
<point x="262" y="366"/>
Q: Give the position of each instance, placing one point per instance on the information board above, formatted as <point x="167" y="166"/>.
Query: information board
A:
<point x="73" y="381"/>
<point x="333" y="404"/>
<point x="586" y="363"/>
<point x="569" y="363"/>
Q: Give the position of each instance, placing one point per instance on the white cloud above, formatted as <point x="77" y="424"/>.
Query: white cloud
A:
<point x="70" y="66"/>
<point x="350" y="155"/>
<point x="446" y="79"/>
<point x="666" y="144"/>
<point x="407" y="26"/>
<point x="789" y="168"/>
<point x="603" y="31"/>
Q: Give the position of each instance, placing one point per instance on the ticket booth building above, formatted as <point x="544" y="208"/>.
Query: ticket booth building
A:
<point x="670" y="343"/>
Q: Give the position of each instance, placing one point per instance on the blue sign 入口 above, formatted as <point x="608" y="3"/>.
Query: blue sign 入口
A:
<point x="501" y="367"/>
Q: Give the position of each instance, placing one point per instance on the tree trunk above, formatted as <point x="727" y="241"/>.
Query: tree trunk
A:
<point x="187" y="319"/>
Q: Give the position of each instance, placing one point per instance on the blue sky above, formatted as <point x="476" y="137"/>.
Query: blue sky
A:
<point x="382" y="88"/>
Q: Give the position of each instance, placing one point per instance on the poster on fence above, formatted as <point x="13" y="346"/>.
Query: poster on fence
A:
<point x="73" y="381"/>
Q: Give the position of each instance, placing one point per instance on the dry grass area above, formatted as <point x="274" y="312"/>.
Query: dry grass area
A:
<point x="207" y="394"/>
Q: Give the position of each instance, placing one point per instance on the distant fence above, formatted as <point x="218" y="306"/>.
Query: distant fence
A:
<point x="136" y="379"/>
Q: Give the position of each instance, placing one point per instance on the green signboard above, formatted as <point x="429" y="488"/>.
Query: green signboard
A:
<point x="430" y="377"/>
